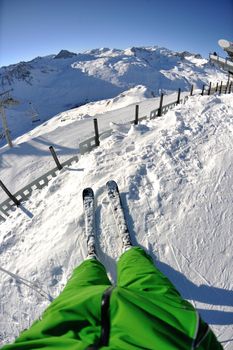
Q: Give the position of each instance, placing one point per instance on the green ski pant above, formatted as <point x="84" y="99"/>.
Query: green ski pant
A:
<point x="72" y="321"/>
<point x="135" y="270"/>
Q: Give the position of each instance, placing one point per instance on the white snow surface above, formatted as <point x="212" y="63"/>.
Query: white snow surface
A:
<point x="50" y="85"/>
<point x="65" y="131"/>
<point x="175" y="174"/>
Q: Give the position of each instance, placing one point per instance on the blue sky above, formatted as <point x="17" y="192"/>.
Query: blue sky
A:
<point x="30" y="28"/>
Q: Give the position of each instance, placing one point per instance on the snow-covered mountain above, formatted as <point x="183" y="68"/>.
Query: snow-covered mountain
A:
<point x="175" y="175"/>
<point x="52" y="84"/>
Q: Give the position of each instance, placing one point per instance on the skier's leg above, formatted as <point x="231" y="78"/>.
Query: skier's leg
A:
<point x="90" y="272"/>
<point x="136" y="271"/>
<point x="78" y="307"/>
<point x="89" y="278"/>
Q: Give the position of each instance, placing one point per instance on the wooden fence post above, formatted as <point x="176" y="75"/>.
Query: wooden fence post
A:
<point x="97" y="138"/>
<point x="178" y="97"/>
<point x="227" y="86"/>
<point x="203" y="89"/>
<point x="220" y="89"/>
<point x="191" y="92"/>
<point x="10" y="195"/>
<point x="216" y="90"/>
<point x="209" y="91"/>
<point x="230" y="86"/>
<point x="58" y="164"/>
<point x="160" y="106"/>
<point x="136" y="115"/>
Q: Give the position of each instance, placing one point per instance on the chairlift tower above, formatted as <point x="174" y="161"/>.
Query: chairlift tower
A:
<point x="6" y="100"/>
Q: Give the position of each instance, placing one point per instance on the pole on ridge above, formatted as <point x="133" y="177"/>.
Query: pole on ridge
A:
<point x="136" y="115"/>
<point x="230" y="86"/>
<point x="160" y="106"/>
<point x="10" y="195"/>
<point x="220" y="89"/>
<point x="97" y="137"/>
<point x="178" y="97"/>
<point x="209" y="91"/>
<point x="191" y="92"/>
<point x="203" y="89"/>
<point x="58" y="164"/>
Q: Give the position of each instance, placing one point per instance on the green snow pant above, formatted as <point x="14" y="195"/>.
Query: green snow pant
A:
<point x="145" y="312"/>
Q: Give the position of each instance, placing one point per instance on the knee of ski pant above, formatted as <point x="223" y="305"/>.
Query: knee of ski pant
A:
<point x="79" y="302"/>
<point x="89" y="272"/>
<point x="136" y="270"/>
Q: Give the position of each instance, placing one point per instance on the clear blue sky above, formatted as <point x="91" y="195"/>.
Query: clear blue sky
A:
<point x="30" y="28"/>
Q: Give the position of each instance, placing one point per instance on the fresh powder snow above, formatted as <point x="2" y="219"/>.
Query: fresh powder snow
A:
<point x="175" y="174"/>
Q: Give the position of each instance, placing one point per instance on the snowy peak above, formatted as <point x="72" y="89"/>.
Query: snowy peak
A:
<point x="20" y="71"/>
<point x="185" y="54"/>
<point x="104" y="51"/>
<point x="148" y="56"/>
<point x="55" y="83"/>
<point x="155" y="51"/>
<point x="121" y="68"/>
<point x="65" y="54"/>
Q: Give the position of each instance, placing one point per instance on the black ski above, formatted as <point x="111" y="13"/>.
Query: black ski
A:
<point x="118" y="213"/>
<point x="89" y="214"/>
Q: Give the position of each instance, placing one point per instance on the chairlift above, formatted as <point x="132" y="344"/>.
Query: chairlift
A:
<point x="33" y="113"/>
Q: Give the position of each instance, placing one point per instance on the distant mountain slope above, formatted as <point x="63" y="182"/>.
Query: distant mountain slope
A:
<point x="52" y="84"/>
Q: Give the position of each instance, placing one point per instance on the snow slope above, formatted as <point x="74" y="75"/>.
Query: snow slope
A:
<point x="65" y="131"/>
<point x="176" y="178"/>
<point x="52" y="84"/>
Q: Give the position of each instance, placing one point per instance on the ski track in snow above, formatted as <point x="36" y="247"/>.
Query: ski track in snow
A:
<point x="175" y="178"/>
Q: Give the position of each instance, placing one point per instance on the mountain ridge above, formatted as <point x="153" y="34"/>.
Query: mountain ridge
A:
<point x="54" y="83"/>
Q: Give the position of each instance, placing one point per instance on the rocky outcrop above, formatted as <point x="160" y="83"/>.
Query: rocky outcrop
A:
<point x="65" y="54"/>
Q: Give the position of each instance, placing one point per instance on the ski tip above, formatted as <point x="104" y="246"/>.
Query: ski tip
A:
<point x="88" y="192"/>
<point x="111" y="184"/>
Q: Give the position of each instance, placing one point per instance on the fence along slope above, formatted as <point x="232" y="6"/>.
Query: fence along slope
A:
<point x="93" y="142"/>
<point x="39" y="183"/>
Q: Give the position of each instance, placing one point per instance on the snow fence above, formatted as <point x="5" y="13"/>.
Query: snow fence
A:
<point x="93" y="142"/>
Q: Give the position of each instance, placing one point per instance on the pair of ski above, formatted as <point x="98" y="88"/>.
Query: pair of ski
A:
<point x="118" y="213"/>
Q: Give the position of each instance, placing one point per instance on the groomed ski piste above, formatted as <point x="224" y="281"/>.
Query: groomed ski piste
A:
<point x="175" y="175"/>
